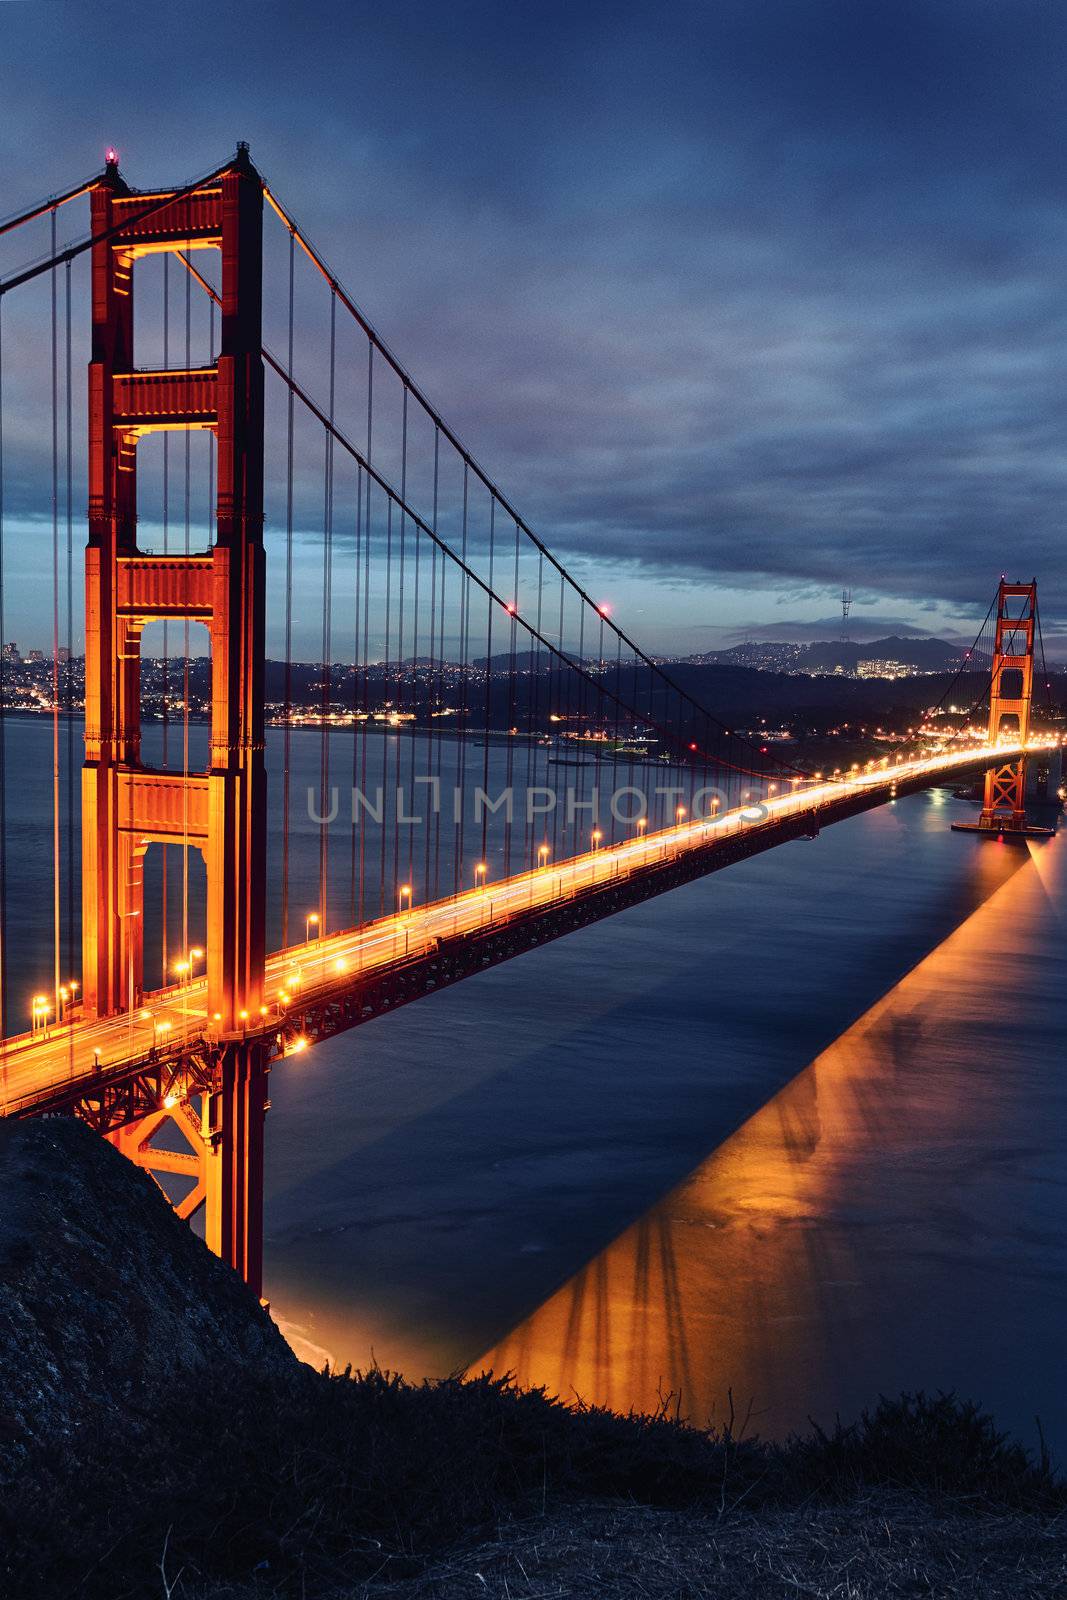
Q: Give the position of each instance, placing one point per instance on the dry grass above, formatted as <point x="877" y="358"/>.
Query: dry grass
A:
<point x="317" y="1488"/>
<point x="880" y="1548"/>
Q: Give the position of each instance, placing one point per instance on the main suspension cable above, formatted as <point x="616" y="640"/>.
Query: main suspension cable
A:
<point x="9" y="224"/>
<point x="71" y="252"/>
<point x="393" y="499"/>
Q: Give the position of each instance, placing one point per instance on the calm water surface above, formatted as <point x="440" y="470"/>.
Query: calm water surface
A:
<point x="796" y="1131"/>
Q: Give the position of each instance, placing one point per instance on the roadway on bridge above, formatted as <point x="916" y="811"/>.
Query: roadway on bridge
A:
<point x="32" y="1065"/>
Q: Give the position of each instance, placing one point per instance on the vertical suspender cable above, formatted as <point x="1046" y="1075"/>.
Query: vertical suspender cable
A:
<point x="598" y="728"/>
<point x="401" y="682"/>
<point x="68" y="682"/>
<point x="187" y="645"/>
<point x="464" y="710"/>
<point x="488" y="680"/>
<point x="327" y="618"/>
<point x="211" y="534"/>
<point x="165" y="849"/>
<point x="617" y="672"/>
<point x="432" y="752"/>
<point x="366" y="632"/>
<point x="432" y="706"/>
<point x="56" y="931"/>
<point x="557" y="828"/>
<point x="414" y="737"/>
<point x="3" y="716"/>
<point x="1046" y="680"/>
<point x="580" y="692"/>
<point x="288" y="713"/>
<point x="534" y="729"/>
<point x="439" y="689"/>
<point x="357" y="599"/>
<point x="386" y="681"/>
<point x="510" y="759"/>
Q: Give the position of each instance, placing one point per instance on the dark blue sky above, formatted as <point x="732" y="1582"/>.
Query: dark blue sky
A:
<point x="740" y="302"/>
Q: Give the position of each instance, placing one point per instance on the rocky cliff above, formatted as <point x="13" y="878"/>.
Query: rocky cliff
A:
<point x="107" y="1302"/>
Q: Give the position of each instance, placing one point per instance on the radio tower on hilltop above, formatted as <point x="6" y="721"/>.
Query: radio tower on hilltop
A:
<point x="846" y="607"/>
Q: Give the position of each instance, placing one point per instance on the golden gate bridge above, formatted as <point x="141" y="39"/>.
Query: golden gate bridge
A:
<point x="470" y="654"/>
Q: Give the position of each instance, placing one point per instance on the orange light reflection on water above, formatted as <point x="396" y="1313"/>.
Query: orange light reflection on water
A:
<point x="830" y="1249"/>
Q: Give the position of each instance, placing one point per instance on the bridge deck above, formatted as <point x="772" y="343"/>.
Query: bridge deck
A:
<point x="37" y="1071"/>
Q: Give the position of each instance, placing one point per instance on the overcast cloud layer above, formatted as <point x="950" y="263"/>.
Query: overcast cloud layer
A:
<point x="757" y="299"/>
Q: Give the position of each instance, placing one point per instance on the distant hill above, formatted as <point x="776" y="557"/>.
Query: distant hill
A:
<point x="829" y="655"/>
<point x="927" y="655"/>
<point x="522" y="661"/>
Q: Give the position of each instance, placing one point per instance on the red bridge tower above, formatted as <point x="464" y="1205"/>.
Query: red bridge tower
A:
<point x="127" y="806"/>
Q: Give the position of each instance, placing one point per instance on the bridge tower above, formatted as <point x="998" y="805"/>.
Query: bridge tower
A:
<point x="1010" y="699"/>
<point x="127" y="806"/>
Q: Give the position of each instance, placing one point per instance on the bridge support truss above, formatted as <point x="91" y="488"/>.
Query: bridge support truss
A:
<point x="220" y="1123"/>
<point x="127" y="806"/>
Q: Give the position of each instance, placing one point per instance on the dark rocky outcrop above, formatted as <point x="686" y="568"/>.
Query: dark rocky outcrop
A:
<point x="107" y="1300"/>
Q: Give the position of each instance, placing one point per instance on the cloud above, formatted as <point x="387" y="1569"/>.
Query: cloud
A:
<point x="757" y="296"/>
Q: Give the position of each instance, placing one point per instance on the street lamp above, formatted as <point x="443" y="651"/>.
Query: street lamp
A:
<point x="479" y="875"/>
<point x="39" y="1013"/>
<point x="403" y="894"/>
<point x="597" y="836"/>
<point x="679" y="814"/>
<point x="310" y="921"/>
<point x="542" y="855"/>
